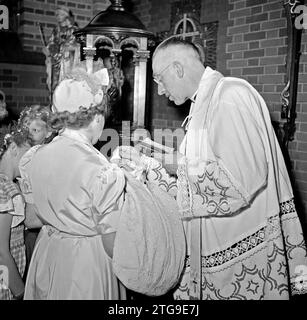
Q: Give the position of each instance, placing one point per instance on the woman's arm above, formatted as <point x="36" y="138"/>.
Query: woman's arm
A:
<point x="15" y="284"/>
<point x="32" y="221"/>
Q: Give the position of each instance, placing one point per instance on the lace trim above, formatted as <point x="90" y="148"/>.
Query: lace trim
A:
<point x="235" y="250"/>
<point x="287" y="207"/>
<point x="156" y="173"/>
<point x="214" y="194"/>
<point x="184" y="192"/>
<point x="272" y="229"/>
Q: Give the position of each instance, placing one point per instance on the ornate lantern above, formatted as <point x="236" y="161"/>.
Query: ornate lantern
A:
<point x="110" y="36"/>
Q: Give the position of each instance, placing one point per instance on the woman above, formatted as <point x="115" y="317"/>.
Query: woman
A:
<point x="78" y="195"/>
<point x="12" y="248"/>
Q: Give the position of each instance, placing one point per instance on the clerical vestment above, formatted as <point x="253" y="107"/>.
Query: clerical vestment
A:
<point x="244" y="238"/>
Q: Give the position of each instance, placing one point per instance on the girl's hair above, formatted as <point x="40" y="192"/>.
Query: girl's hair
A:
<point x="19" y="135"/>
<point x="34" y="112"/>
<point x="79" y="119"/>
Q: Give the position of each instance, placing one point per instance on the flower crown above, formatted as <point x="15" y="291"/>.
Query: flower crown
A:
<point x="30" y="112"/>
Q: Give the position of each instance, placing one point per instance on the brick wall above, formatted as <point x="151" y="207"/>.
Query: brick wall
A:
<point x="22" y="85"/>
<point x="156" y="16"/>
<point x="252" y="44"/>
<point x="43" y="11"/>
<point x="217" y="10"/>
<point x="298" y="148"/>
<point x="25" y="84"/>
<point x="99" y="5"/>
<point x="257" y="48"/>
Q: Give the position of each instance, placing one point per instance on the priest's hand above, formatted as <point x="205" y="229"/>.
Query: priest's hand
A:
<point x="126" y="153"/>
<point x="169" y="161"/>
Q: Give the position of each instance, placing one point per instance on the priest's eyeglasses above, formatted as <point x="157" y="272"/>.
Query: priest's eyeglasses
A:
<point x="157" y="76"/>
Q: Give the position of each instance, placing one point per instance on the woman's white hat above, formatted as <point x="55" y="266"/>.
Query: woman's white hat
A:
<point x="80" y="90"/>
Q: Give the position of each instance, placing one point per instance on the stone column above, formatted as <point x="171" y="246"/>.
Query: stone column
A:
<point x="89" y="52"/>
<point x="140" y="74"/>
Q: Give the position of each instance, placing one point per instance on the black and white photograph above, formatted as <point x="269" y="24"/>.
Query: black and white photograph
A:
<point x="153" y="152"/>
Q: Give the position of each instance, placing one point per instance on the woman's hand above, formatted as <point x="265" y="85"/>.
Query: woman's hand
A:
<point x="126" y="153"/>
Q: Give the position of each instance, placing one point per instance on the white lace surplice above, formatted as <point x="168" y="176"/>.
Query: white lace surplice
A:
<point x="235" y="195"/>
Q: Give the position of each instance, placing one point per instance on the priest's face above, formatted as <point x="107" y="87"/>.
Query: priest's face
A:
<point x="165" y="74"/>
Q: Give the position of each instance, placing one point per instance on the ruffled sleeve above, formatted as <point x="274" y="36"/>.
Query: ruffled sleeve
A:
<point x="24" y="181"/>
<point x="11" y="201"/>
<point x="107" y="189"/>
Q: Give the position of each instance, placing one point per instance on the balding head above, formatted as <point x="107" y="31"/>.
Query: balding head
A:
<point x="173" y="49"/>
<point x="177" y="68"/>
<point x="177" y="44"/>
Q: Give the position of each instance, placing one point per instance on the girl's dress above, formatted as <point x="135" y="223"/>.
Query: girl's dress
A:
<point x="78" y="194"/>
<point x="11" y="202"/>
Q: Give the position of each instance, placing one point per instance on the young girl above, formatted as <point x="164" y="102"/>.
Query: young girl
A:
<point x="34" y="118"/>
<point x="12" y="249"/>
